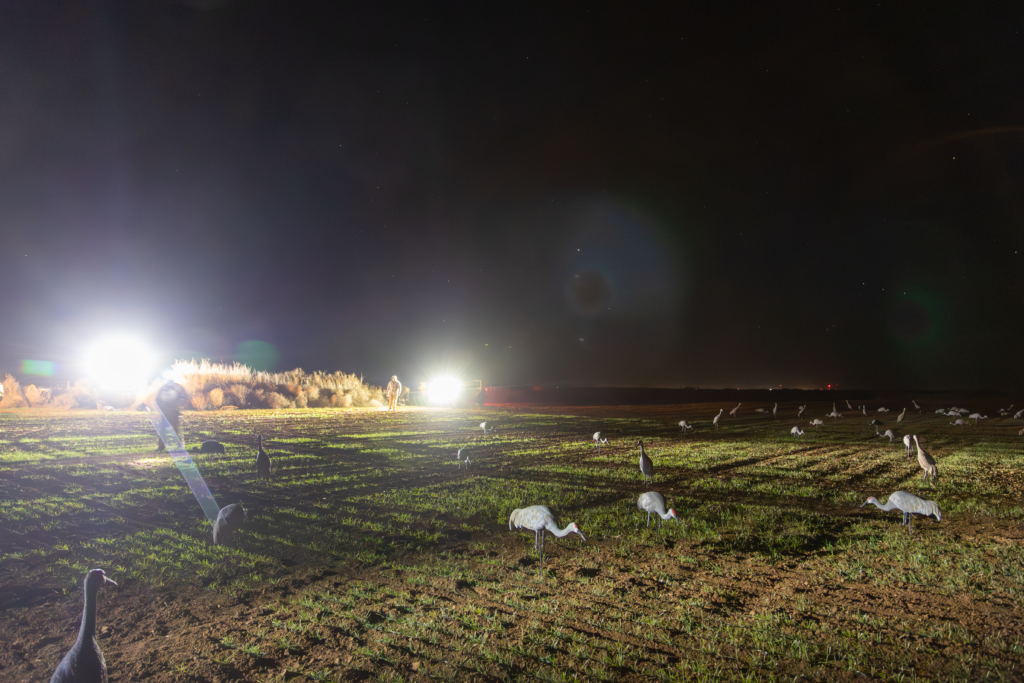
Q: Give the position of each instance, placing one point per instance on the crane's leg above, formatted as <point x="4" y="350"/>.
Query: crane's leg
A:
<point x="648" y="519"/>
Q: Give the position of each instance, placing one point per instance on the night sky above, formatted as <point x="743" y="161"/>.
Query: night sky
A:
<point x="704" y="194"/>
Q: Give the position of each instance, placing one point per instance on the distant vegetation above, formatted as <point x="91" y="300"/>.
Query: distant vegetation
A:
<point x="212" y="386"/>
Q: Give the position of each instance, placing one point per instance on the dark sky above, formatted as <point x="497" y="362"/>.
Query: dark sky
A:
<point x="702" y="194"/>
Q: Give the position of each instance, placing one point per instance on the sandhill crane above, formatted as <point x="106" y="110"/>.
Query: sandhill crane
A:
<point x="848" y="404"/>
<point x="1016" y="416"/>
<point x="906" y="442"/>
<point x="1004" y="411"/>
<point x="463" y="457"/>
<point x="909" y="505"/>
<point x="719" y="416"/>
<point x="976" y="417"/>
<point x="775" y="411"/>
<point x="834" y="415"/>
<point x="652" y="501"/>
<point x="952" y="413"/>
<point x="931" y="471"/>
<point x="962" y="411"/>
<point x="916" y="407"/>
<point x="883" y="410"/>
<point x="84" y="661"/>
<point x="816" y="422"/>
<point x="732" y="413"/>
<point x="877" y="423"/>
<point x="800" y="413"/>
<point x="262" y="460"/>
<point x="899" y="418"/>
<point x="209" y="446"/>
<point x="887" y="432"/>
<point x="685" y="425"/>
<point x="760" y="410"/>
<point x="796" y="432"/>
<point x="599" y="441"/>
<point x="864" y="410"/>
<point x="538" y="519"/>
<point x="487" y="426"/>
<point x="646" y="464"/>
<point x="959" y="423"/>
<point x="229" y="520"/>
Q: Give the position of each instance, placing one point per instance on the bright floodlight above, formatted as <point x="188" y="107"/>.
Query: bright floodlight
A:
<point x="444" y="389"/>
<point x="119" y="363"/>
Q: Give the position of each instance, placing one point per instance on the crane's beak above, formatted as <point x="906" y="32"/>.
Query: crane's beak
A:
<point x="107" y="579"/>
<point x="863" y="505"/>
<point x="582" y="536"/>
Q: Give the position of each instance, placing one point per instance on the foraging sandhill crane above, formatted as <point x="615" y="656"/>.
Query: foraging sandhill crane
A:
<point x="906" y="442"/>
<point x="796" y="432"/>
<point x="940" y="411"/>
<point x="816" y="422"/>
<point x="652" y="501"/>
<point x="800" y="413"/>
<point x="834" y="415"/>
<point x="538" y="519"/>
<point x="887" y="432"/>
<point x="646" y="464"/>
<point x="685" y="425"/>
<point x="719" y="416"/>
<point x="877" y="423"/>
<point x="916" y="407"/>
<point x="599" y="441"/>
<point x="899" y="418"/>
<point x="952" y="413"/>
<point x="976" y="417"/>
<point x="209" y="446"/>
<point x="775" y="411"/>
<point x="883" y="410"/>
<point x="262" y="460"/>
<point x="229" y="520"/>
<point x="1016" y="416"/>
<point x="909" y="505"/>
<point x="732" y="413"/>
<point x="487" y="425"/>
<point x="931" y="471"/>
<point x="463" y="457"/>
<point x="960" y="423"/>
<point x="760" y="410"/>
<point x="84" y="662"/>
<point x="962" y="411"/>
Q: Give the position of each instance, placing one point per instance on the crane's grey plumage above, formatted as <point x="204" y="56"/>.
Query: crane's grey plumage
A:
<point x="940" y="411"/>
<point x="876" y="422"/>
<point x="463" y="457"/>
<point x="816" y="422"/>
<point x="646" y="464"/>
<point x="848" y="404"/>
<point x="486" y="426"/>
<point x="887" y="432"/>
<point x="775" y="411"/>
<point x="796" y="432"/>
<point x="927" y="462"/>
<point x="959" y="423"/>
<point x="538" y="519"/>
<point x="864" y="410"/>
<point x="916" y="407"/>
<point x="685" y="425"/>
<point x="209" y="446"/>
<point x="899" y="418"/>
<point x="976" y="417"/>
<point x="909" y="505"/>
<point x="229" y="520"/>
<point x="883" y="410"/>
<point x="732" y="413"/>
<point x="906" y="442"/>
<point x="84" y="662"/>
<point x="760" y="410"/>
<point x="1016" y="416"/>
<point x="652" y="501"/>
<point x="599" y="441"/>
<point x="719" y="416"/>
<point x="834" y="414"/>
<point x="262" y="460"/>
<point x="800" y="413"/>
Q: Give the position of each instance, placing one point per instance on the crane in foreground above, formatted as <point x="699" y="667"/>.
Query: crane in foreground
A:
<point x="887" y="432"/>
<point x="685" y="425"/>
<point x="796" y="432"/>
<point x="927" y="462"/>
<point x="652" y="501"/>
<point x="909" y="505"/>
<point x="906" y="442"/>
<point x="463" y="457"/>
<point x="646" y="464"/>
<point x="538" y="519"/>
<point x="262" y="460"/>
<point x="599" y="441"/>
<point x="84" y="662"/>
<point x="719" y="416"/>
<point x="229" y="520"/>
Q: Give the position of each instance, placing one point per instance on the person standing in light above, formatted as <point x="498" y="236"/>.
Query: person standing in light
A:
<point x="394" y="391"/>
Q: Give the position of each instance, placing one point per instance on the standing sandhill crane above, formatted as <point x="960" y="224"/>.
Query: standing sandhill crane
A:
<point x="463" y="457"/>
<point x="229" y="520"/>
<point x="931" y="471"/>
<point x="84" y="662"/>
<point x="848" y="404"/>
<point x="800" y="413"/>
<point x="775" y="411"/>
<point x="976" y="417"/>
<point x="646" y="464"/>
<point x="262" y="460"/>
<point x="599" y="441"/>
<point x="906" y="442"/>
<point x="916" y="407"/>
<point x="864" y="410"/>
<point x="959" y="423"/>
<point x="796" y="432"/>
<point x="909" y="505"/>
<point x="685" y="425"/>
<point x="719" y="417"/>
<point x="652" y="501"/>
<point x="816" y="422"/>
<point x="732" y="413"/>
<point x="887" y="432"/>
<point x="538" y="519"/>
<point x="899" y="418"/>
<point x="1016" y="416"/>
<point x="487" y="426"/>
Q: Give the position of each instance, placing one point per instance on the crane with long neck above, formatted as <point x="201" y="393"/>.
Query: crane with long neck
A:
<point x="84" y="662"/>
<point x="909" y="505"/>
<point x="540" y="519"/>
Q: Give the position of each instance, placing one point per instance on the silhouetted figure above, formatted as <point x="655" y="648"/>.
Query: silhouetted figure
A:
<point x="393" y="392"/>
<point x="169" y="401"/>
